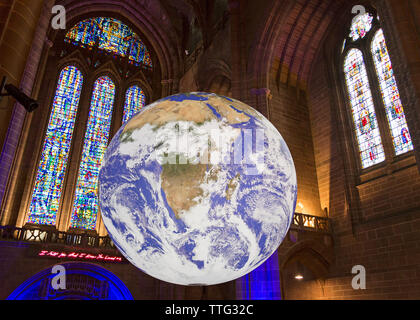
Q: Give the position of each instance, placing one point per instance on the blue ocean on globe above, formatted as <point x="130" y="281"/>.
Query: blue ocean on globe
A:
<point x="197" y="189"/>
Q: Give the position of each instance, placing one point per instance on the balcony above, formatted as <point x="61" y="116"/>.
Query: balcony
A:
<point x="301" y="222"/>
<point x="43" y="236"/>
<point x="305" y="222"/>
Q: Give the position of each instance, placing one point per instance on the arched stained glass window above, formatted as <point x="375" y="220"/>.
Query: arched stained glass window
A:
<point x="110" y="35"/>
<point x="363" y="111"/>
<point x="52" y="168"/>
<point x="134" y="101"/>
<point x="390" y="95"/>
<point x="85" y="205"/>
<point x="360" y="26"/>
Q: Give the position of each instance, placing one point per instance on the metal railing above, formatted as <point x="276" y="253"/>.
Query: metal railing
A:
<point x="312" y="223"/>
<point x="33" y="234"/>
<point x="40" y="235"/>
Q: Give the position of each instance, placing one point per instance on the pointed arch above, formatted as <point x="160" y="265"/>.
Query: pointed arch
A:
<point x="49" y="180"/>
<point x="366" y="126"/>
<point x="111" y="35"/>
<point x="85" y="202"/>
<point x="390" y="95"/>
<point x="85" y="281"/>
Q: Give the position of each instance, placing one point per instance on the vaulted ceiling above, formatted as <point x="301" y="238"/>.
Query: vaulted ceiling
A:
<point x="300" y="37"/>
<point x="289" y="31"/>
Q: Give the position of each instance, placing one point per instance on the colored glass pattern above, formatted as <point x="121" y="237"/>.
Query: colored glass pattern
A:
<point x="364" y="117"/>
<point x="85" y="206"/>
<point x="391" y="95"/>
<point x="134" y="101"/>
<point x="52" y="168"/>
<point x="112" y="36"/>
<point x="360" y="26"/>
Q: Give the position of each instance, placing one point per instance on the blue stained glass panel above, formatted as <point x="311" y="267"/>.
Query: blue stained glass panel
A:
<point x="112" y="36"/>
<point x="51" y="171"/>
<point x="85" y="205"/>
<point x="134" y="101"/>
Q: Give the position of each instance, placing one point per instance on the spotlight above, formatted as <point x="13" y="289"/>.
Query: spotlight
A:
<point x="298" y="276"/>
<point x="299" y="271"/>
<point x="28" y="103"/>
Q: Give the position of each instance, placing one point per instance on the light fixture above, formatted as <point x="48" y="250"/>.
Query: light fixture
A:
<point x="27" y="102"/>
<point x="299" y="271"/>
<point x="301" y="206"/>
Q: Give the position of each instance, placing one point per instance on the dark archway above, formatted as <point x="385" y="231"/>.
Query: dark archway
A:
<point x="303" y="273"/>
<point x="84" y="281"/>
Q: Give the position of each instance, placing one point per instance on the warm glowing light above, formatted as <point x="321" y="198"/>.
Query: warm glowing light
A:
<point x="298" y="277"/>
<point x="310" y="222"/>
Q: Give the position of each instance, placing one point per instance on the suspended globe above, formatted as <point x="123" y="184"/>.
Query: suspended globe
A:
<point x="197" y="189"/>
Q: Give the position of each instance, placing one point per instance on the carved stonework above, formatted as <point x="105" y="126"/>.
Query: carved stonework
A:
<point x="262" y="92"/>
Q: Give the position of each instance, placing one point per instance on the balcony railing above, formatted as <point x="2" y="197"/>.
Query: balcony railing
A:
<point x="310" y="223"/>
<point x="40" y="235"/>
<point x="86" y="240"/>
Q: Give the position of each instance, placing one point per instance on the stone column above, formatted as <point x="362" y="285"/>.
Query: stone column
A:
<point x="23" y="32"/>
<point x="167" y="87"/>
<point x="262" y="97"/>
<point x="237" y="81"/>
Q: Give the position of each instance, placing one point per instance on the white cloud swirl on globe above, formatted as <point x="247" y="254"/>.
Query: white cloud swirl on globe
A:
<point x="203" y="223"/>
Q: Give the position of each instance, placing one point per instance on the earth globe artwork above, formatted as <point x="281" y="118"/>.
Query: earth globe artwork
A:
<point x="197" y="189"/>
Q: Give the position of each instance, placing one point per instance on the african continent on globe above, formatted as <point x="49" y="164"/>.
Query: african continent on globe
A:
<point x="197" y="189"/>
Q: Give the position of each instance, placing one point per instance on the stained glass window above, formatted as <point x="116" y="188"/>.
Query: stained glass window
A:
<point x="110" y="35"/>
<point x="49" y="179"/>
<point x="391" y="95"/>
<point x="134" y="101"/>
<point x="364" y="117"/>
<point x="85" y="206"/>
<point x="360" y="26"/>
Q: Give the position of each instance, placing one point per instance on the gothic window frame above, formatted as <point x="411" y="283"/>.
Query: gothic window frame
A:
<point x="57" y="60"/>
<point x="36" y="162"/>
<point x="112" y="124"/>
<point x="364" y="45"/>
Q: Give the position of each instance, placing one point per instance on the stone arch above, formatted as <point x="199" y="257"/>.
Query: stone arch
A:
<point x="309" y="259"/>
<point x="154" y="28"/>
<point x="218" y="79"/>
<point x="84" y="281"/>
<point x="279" y="46"/>
<point x="324" y="253"/>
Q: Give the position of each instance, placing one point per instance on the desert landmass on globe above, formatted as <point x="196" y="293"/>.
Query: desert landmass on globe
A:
<point x="188" y="176"/>
<point x="185" y="177"/>
<point x="189" y="110"/>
